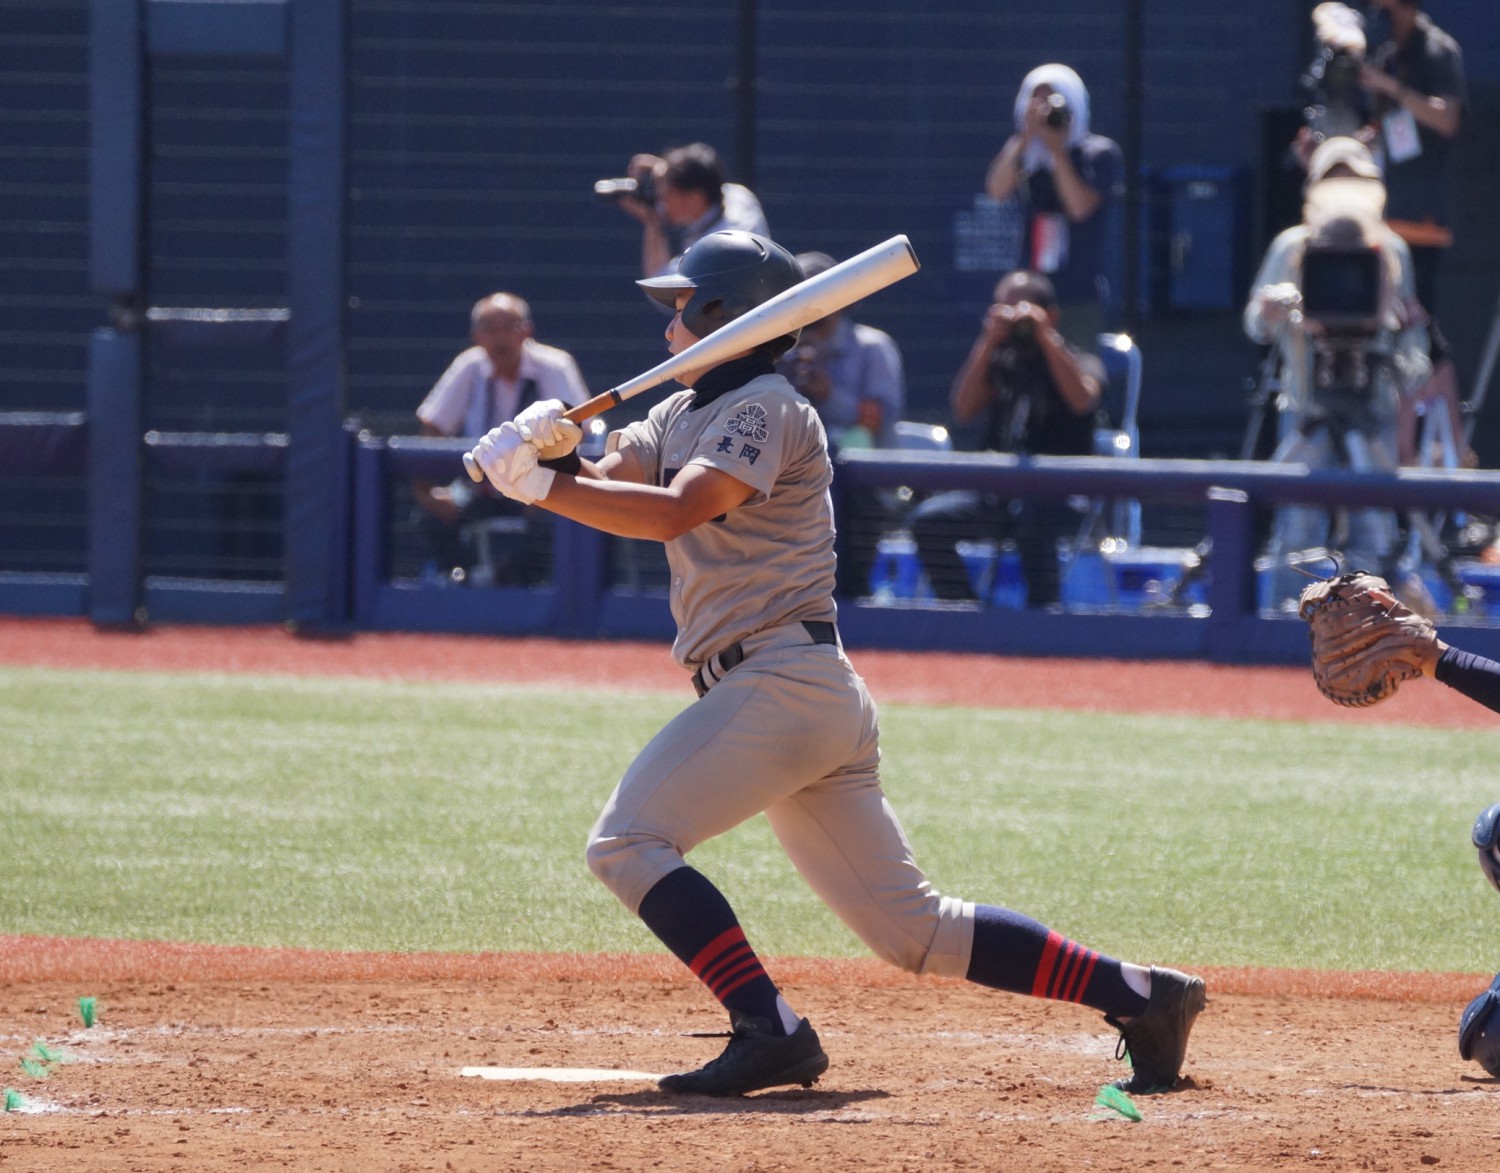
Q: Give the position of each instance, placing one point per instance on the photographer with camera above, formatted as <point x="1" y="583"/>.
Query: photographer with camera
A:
<point x="1416" y="76"/>
<point x="1066" y="179"/>
<point x="1038" y="395"/>
<point x="1335" y="294"/>
<point x="679" y="198"/>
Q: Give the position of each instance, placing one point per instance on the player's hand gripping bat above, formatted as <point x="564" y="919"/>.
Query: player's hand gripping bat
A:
<point x="817" y="297"/>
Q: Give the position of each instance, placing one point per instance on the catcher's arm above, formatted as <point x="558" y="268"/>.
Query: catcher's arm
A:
<point x="1474" y="676"/>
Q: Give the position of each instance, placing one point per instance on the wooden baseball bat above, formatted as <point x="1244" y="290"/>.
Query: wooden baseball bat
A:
<point x="817" y="297"/>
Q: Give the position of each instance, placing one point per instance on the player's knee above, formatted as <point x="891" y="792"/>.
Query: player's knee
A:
<point x="901" y="952"/>
<point x="630" y="865"/>
<point x="923" y="934"/>
<point x="602" y="856"/>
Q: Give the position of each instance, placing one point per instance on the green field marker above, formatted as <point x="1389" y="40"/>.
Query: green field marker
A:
<point x="1113" y="1098"/>
<point x="41" y="1061"/>
<point x="14" y="1100"/>
<point x="89" y="1010"/>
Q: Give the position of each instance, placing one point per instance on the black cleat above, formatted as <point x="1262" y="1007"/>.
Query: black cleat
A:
<point x="754" y="1059"/>
<point x="1156" y="1039"/>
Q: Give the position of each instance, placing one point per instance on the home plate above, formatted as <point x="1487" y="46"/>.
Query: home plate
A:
<point x="558" y="1074"/>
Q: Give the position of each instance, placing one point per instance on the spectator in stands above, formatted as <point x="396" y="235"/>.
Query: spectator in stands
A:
<point x="1037" y="394"/>
<point x="850" y="372"/>
<point x="1417" y="83"/>
<point x="685" y="196"/>
<point x="1066" y="179"/>
<point x="505" y="369"/>
<point x="1340" y="392"/>
<point x="853" y="375"/>
<point x="1416" y="78"/>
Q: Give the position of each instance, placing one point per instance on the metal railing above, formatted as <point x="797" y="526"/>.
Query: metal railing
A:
<point x="580" y="600"/>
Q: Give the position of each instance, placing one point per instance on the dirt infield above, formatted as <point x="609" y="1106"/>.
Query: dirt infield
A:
<point x="233" y="1059"/>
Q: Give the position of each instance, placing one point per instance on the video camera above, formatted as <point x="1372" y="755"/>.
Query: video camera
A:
<point x="1343" y="290"/>
<point x="1337" y="103"/>
<point x="627" y="188"/>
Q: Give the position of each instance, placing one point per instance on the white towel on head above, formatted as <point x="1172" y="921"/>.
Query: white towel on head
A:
<point x="1066" y="82"/>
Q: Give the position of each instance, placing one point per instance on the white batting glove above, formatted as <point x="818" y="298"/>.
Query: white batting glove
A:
<point x="542" y="425"/>
<point x="509" y="463"/>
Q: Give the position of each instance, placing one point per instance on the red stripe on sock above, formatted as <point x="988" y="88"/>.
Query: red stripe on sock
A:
<point x="1064" y="971"/>
<point x="1044" y="968"/>
<point x="1062" y="979"/>
<point x="711" y="952"/>
<point x="728" y="966"/>
<point x="1087" y="972"/>
<point x="749" y="974"/>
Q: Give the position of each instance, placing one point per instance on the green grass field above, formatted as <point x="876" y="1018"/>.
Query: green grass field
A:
<point x="370" y="815"/>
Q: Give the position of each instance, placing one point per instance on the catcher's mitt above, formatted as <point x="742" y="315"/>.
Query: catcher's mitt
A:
<point x="1364" y="641"/>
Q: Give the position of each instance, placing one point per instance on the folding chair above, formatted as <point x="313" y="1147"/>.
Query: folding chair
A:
<point x="1122" y="401"/>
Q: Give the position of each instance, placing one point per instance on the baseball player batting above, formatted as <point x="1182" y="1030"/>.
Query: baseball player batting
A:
<point x="733" y="476"/>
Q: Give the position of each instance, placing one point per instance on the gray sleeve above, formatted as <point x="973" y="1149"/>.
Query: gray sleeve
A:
<point x="748" y="440"/>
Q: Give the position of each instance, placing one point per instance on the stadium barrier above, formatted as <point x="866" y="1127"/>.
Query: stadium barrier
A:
<point x="580" y="602"/>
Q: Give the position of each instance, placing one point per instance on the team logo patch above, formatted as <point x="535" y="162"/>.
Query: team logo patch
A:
<point x="750" y="423"/>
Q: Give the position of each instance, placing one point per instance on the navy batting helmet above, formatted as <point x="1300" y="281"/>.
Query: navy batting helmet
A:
<point x="1486" y="840"/>
<point x="1479" y="1030"/>
<point x="730" y="273"/>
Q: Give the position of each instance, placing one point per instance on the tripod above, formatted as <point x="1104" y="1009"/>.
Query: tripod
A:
<point x="1346" y="426"/>
<point x="1339" y="431"/>
<point x="1443" y="421"/>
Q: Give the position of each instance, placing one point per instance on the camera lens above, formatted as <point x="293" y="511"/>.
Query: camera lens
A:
<point x="1058" y="114"/>
<point x="614" y="189"/>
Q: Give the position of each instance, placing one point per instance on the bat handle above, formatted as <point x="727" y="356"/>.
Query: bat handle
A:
<point x="598" y="405"/>
<point x="584" y="411"/>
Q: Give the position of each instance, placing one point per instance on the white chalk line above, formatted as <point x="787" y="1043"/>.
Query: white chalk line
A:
<point x="559" y="1074"/>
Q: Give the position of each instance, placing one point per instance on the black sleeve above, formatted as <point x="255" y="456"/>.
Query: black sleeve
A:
<point x="1474" y="676"/>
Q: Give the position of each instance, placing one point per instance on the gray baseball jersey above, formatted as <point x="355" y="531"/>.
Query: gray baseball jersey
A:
<point x="790" y="731"/>
<point x="772" y="562"/>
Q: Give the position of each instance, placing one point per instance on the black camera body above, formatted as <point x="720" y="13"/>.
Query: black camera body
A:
<point x="642" y="190"/>
<point x="1342" y="294"/>
<point x="1058" y="115"/>
<point x="1341" y="289"/>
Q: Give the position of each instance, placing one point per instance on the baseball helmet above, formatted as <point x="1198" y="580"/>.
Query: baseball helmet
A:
<point x="1486" y="840"/>
<point x="1479" y="1030"/>
<point x="730" y="273"/>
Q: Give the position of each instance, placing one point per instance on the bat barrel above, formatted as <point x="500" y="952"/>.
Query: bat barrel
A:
<point x="804" y="303"/>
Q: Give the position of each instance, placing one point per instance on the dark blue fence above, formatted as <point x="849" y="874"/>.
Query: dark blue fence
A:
<point x="582" y="599"/>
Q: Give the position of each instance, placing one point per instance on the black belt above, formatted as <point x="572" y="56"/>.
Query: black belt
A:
<point x="821" y="631"/>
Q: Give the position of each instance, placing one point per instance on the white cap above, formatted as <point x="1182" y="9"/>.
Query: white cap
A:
<point x="1341" y="149"/>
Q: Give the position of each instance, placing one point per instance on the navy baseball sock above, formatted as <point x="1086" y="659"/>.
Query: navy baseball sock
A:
<point x="692" y="919"/>
<point x="1013" y="952"/>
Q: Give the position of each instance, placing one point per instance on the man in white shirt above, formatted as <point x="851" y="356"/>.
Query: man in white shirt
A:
<point x="505" y="370"/>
